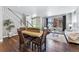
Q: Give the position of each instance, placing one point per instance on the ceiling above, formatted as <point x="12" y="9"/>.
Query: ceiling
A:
<point x="43" y="10"/>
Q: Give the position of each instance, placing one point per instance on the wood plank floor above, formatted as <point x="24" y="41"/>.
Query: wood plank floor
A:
<point x="57" y="46"/>
<point x="12" y="45"/>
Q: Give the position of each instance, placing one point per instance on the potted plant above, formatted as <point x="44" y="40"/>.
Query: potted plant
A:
<point x="8" y="25"/>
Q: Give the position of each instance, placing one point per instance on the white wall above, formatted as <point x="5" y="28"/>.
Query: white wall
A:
<point x="78" y="18"/>
<point x="73" y="19"/>
<point x="1" y="19"/>
<point x="68" y="20"/>
<point x="9" y="15"/>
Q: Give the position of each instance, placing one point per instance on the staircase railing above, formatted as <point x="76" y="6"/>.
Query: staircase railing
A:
<point x="19" y="17"/>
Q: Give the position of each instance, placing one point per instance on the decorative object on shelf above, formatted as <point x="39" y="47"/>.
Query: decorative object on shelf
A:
<point x="8" y="25"/>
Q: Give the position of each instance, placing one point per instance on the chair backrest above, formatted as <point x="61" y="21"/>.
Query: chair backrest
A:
<point x="21" y="37"/>
<point x="45" y="32"/>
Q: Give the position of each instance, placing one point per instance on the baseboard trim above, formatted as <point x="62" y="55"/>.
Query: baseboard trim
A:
<point x="10" y="36"/>
<point x="1" y="40"/>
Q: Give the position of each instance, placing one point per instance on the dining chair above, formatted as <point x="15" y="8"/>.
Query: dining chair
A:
<point x="38" y="43"/>
<point x="23" y="42"/>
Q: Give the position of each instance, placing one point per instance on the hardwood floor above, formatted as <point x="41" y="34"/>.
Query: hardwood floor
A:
<point x="57" y="46"/>
<point x="12" y="45"/>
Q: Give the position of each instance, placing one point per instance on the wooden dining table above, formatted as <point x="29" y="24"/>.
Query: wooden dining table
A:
<point x="35" y="35"/>
<point x="32" y="33"/>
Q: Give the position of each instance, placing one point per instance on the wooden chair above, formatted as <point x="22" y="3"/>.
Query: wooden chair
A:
<point x="39" y="42"/>
<point x="23" y="42"/>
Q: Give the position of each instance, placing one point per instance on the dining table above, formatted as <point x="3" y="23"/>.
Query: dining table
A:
<point x="35" y="35"/>
<point x="32" y="33"/>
